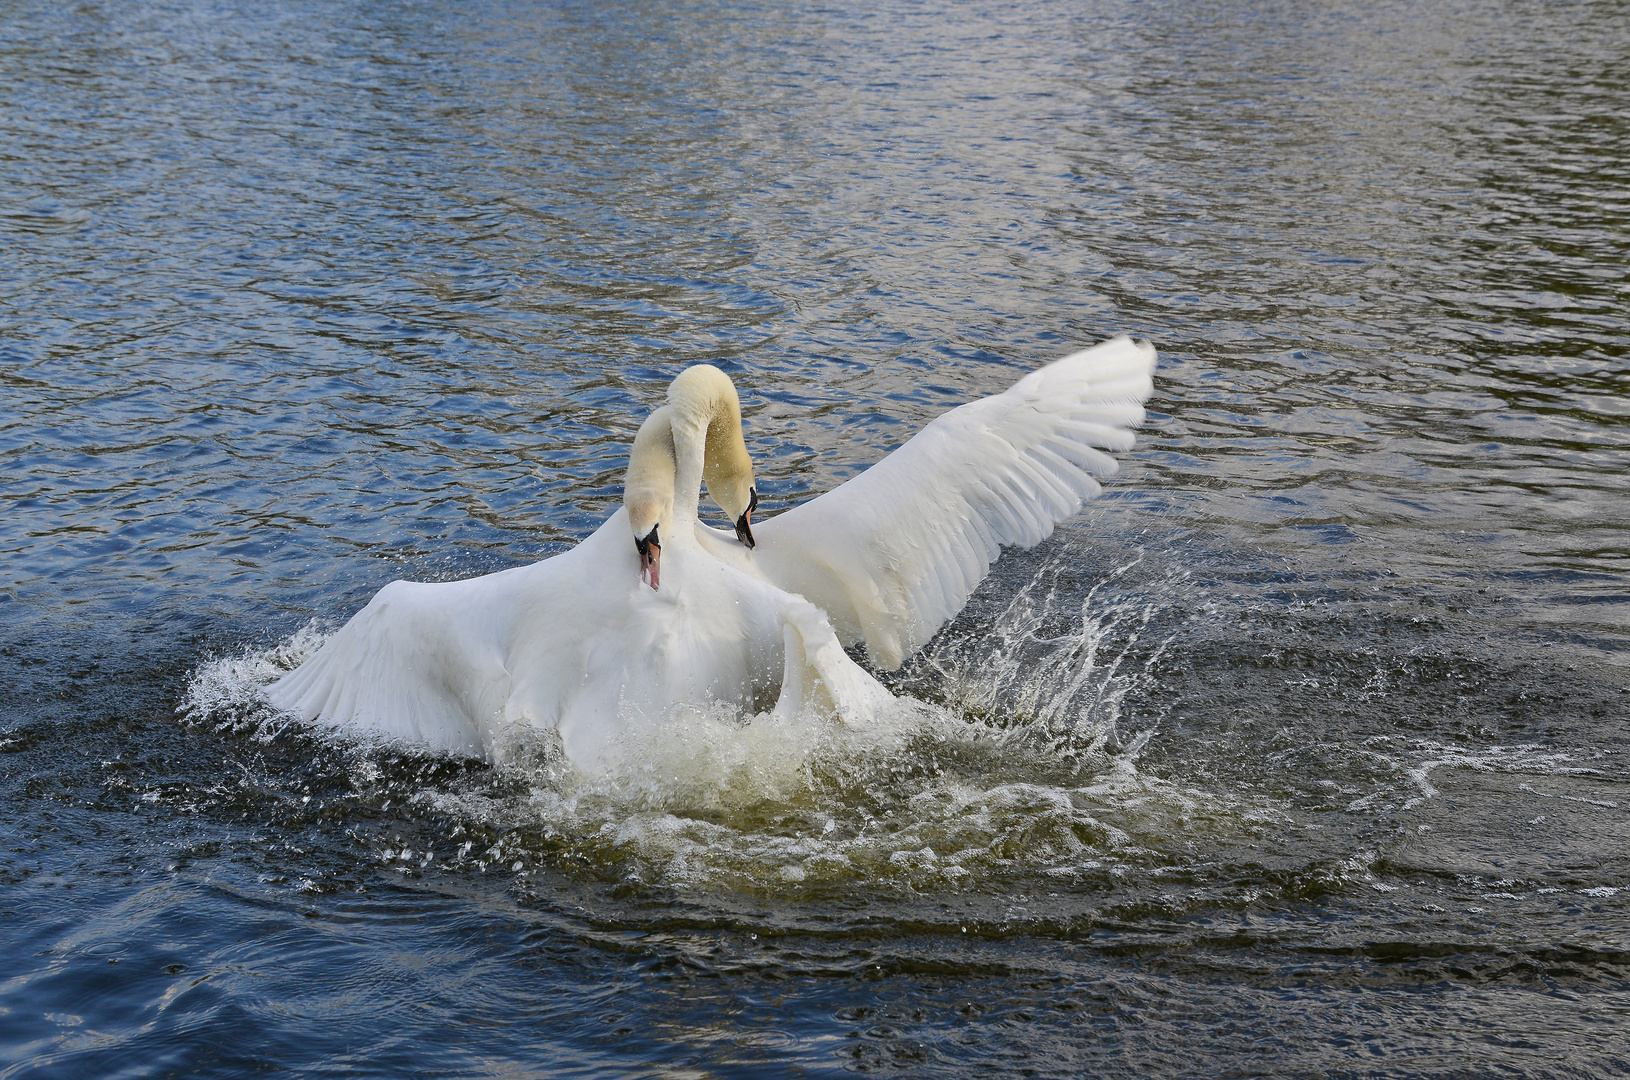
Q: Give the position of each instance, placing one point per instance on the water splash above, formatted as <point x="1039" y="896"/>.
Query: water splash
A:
<point x="229" y="693"/>
<point x="1002" y="754"/>
<point x="1055" y="667"/>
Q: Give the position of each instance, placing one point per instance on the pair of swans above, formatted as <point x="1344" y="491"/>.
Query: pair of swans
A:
<point x="656" y="610"/>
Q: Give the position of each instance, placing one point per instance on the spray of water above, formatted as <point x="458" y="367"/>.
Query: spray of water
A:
<point x="1055" y="667"/>
<point x="1009" y="747"/>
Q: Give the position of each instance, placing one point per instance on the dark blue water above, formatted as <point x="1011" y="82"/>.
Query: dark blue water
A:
<point x="1302" y="752"/>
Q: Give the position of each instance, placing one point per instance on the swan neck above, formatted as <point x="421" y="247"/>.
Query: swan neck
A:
<point x="708" y="444"/>
<point x="648" y="488"/>
<point x="690" y="453"/>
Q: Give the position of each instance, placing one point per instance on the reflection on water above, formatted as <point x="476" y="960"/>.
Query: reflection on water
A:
<point x="1303" y="748"/>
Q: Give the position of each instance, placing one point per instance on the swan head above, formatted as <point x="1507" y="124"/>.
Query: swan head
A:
<point x="733" y="491"/>
<point x="648" y="491"/>
<point x="703" y="397"/>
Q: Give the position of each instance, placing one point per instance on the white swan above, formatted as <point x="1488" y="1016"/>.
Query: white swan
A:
<point x="613" y="632"/>
<point x="609" y="634"/>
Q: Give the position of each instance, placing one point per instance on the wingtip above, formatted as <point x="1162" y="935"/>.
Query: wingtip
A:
<point x="1119" y="368"/>
<point x="1145" y="346"/>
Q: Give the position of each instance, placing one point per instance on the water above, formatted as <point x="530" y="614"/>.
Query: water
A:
<point x="1302" y="752"/>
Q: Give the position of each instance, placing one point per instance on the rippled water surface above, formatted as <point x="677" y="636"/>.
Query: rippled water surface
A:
<point x="1302" y="752"/>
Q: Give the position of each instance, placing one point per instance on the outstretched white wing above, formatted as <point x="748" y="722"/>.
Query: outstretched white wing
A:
<point x="422" y="662"/>
<point x="895" y="552"/>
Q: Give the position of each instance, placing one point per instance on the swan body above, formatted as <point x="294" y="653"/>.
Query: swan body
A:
<point x="595" y="639"/>
<point x="655" y="611"/>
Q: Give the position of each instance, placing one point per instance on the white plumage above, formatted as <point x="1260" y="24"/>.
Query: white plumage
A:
<point x="894" y="553"/>
<point x="578" y="642"/>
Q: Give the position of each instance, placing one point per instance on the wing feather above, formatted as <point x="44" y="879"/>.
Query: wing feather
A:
<point x="895" y="552"/>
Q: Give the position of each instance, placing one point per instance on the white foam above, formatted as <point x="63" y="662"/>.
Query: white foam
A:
<point x="230" y="692"/>
<point x="1024" y="767"/>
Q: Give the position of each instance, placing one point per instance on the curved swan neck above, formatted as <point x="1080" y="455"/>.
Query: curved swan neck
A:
<point x="648" y="488"/>
<point x="708" y="443"/>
